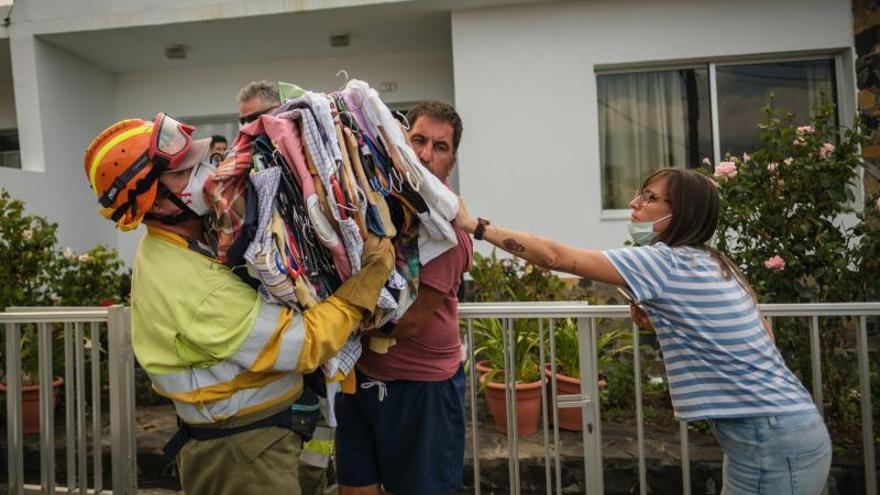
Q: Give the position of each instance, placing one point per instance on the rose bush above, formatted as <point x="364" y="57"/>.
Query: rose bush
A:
<point x="790" y="220"/>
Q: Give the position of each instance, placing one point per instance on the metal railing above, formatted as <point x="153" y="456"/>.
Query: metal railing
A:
<point x="116" y="322"/>
<point x="588" y="399"/>
<point x="71" y="322"/>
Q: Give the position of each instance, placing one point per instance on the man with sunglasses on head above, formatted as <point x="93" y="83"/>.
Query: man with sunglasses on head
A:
<point x="231" y="363"/>
<point x="255" y="99"/>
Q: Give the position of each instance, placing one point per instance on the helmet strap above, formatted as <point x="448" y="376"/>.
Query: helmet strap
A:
<point x="185" y="214"/>
<point x="141" y="186"/>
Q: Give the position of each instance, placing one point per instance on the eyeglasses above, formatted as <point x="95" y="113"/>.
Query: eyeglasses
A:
<point x="648" y="197"/>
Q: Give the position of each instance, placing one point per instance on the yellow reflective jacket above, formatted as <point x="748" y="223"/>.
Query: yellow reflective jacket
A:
<point x="208" y="341"/>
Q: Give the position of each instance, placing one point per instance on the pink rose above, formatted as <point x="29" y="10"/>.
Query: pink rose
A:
<point x="788" y="161"/>
<point x="805" y="129"/>
<point x="776" y="263"/>
<point x="826" y="150"/>
<point x="772" y="167"/>
<point x="725" y="170"/>
<point x="707" y="161"/>
<point x="799" y="142"/>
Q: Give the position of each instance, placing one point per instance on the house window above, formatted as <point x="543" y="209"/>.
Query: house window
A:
<point x="655" y="119"/>
<point x="743" y="91"/>
<point x="9" y="152"/>
<point x="650" y="120"/>
<point x="220" y="126"/>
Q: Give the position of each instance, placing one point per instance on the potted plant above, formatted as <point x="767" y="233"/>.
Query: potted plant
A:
<point x="609" y="345"/>
<point x="35" y="272"/>
<point x="30" y="382"/>
<point x="528" y="378"/>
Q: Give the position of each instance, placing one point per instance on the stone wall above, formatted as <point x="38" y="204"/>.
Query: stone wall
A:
<point x="866" y="28"/>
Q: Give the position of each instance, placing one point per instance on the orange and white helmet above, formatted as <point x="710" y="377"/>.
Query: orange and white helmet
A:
<point x="124" y="162"/>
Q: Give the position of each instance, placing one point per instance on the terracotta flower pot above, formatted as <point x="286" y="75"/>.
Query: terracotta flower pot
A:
<point x="30" y="404"/>
<point x="528" y="405"/>
<point x="482" y="367"/>
<point x="570" y="418"/>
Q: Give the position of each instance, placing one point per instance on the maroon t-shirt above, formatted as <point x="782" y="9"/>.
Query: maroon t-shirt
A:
<point x="433" y="354"/>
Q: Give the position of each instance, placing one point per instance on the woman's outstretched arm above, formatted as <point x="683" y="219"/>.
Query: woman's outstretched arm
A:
<point x="544" y="252"/>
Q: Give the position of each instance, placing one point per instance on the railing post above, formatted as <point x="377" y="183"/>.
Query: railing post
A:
<point x="97" y="469"/>
<point x="69" y="393"/>
<point x="640" y="418"/>
<point x="82" y="446"/>
<point x="816" y="365"/>
<point x="545" y="423"/>
<point x="47" y="408"/>
<point x="867" y="418"/>
<point x="592" y="431"/>
<point x="685" y="458"/>
<point x="475" y="433"/>
<point x="554" y="390"/>
<point x="15" y="439"/>
<point x="122" y="417"/>
<point x="510" y="396"/>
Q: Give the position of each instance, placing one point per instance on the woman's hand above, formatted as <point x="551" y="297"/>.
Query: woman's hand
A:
<point x="464" y="219"/>
<point x="639" y="317"/>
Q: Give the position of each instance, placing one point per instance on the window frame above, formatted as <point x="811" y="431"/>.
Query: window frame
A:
<point x="844" y="75"/>
<point x="13" y="131"/>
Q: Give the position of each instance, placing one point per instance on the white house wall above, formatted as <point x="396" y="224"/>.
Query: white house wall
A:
<point x="74" y="101"/>
<point x="62" y="16"/>
<point x="199" y="91"/>
<point x="526" y="88"/>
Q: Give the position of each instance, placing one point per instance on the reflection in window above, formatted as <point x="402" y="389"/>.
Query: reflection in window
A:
<point x="9" y="151"/>
<point x="226" y="127"/>
<point x="648" y="121"/>
<point x="743" y="90"/>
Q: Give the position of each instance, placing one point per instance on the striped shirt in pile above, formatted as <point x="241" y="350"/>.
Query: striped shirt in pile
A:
<point x="720" y="362"/>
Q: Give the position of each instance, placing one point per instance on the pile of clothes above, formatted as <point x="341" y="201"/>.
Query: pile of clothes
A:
<point x="304" y="184"/>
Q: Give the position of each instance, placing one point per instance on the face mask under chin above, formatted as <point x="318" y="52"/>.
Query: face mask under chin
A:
<point x="642" y="233"/>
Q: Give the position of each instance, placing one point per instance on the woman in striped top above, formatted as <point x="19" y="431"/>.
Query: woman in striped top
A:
<point x="721" y="361"/>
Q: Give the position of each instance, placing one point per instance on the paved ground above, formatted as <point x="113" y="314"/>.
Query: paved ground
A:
<point x="619" y="447"/>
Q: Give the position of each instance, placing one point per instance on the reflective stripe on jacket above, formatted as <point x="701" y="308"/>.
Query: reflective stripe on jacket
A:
<point x="208" y="341"/>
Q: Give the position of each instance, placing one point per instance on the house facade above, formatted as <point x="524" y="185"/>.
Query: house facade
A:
<point x="565" y="104"/>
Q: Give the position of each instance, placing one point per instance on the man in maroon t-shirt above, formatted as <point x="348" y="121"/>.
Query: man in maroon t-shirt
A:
<point x="404" y="429"/>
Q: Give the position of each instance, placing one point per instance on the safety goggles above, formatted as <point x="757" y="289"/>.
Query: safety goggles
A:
<point x="170" y="142"/>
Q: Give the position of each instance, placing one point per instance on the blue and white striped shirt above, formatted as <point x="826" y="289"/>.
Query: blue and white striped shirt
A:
<point x="719" y="359"/>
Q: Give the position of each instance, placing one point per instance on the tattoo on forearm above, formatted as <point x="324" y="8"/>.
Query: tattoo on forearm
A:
<point x="511" y="245"/>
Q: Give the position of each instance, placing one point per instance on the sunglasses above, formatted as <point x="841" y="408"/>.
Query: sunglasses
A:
<point x="247" y="119"/>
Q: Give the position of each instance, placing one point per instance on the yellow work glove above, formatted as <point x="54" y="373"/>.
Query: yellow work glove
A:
<point x="362" y="289"/>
